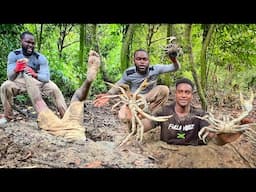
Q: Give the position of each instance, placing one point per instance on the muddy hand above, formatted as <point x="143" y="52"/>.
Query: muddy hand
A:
<point x="101" y="100"/>
<point x="93" y="65"/>
<point x="125" y="114"/>
<point x="229" y="137"/>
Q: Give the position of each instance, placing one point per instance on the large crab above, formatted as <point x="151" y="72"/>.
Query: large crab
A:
<point x="138" y="107"/>
<point x="173" y="49"/>
<point x="227" y="124"/>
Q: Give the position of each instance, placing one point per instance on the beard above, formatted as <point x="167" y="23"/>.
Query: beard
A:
<point x="27" y="52"/>
<point x="141" y="70"/>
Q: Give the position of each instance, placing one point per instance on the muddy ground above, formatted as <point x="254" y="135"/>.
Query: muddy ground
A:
<point x="23" y="145"/>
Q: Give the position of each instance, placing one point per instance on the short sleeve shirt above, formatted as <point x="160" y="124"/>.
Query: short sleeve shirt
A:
<point x="181" y="131"/>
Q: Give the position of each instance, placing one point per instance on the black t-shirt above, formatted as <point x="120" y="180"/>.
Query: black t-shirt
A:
<point x="181" y="131"/>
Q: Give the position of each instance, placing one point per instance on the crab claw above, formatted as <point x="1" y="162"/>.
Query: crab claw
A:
<point x="247" y="104"/>
<point x="171" y="38"/>
<point x="202" y="134"/>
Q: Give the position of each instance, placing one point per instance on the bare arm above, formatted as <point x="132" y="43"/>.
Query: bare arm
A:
<point x="176" y="63"/>
<point x="43" y="74"/>
<point x="147" y="124"/>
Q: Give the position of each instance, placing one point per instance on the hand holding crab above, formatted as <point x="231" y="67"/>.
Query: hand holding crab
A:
<point x="227" y="125"/>
<point x="137" y="106"/>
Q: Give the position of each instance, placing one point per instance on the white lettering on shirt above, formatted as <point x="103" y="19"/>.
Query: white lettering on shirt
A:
<point x="181" y="127"/>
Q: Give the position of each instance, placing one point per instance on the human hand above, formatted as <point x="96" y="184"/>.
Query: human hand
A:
<point x="20" y="65"/>
<point x="173" y="53"/>
<point x="173" y="59"/>
<point x="125" y="114"/>
<point x="93" y="65"/>
<point x="30" y="71"/>
<point x="101" y="100"/>
<point x="229" y="137"/>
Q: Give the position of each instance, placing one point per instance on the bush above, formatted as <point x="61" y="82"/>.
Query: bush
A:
<point x="66" y="86"/>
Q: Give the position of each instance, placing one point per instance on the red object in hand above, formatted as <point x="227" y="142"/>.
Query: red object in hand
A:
<point x="20" y="66"/>
<point x="30" y="71"/>
<point x="101" y="100"/>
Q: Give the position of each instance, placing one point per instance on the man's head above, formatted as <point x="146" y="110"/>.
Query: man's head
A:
<point x="27" y="43"/>
<point x="141" y="61"/>
<point x="184" y="92"/>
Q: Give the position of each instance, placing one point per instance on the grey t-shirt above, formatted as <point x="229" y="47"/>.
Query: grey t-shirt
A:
<point x="37" y="62"/>
<point x="134" y="79"/>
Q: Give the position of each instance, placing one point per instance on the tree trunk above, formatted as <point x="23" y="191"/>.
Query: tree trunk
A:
<point x="152" y="29"/>
<point x="95" y="46"/>
<point x="191" y="61"/>
<point x="208" y="31"/>
<point x="39" y="37"/>
<point x="166" y="77"/>
<point x="81" y="48"/>
<point x="125" y="52"/>
<point x="64" y="31"/>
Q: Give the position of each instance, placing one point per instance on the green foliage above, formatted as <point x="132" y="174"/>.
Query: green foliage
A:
<point x="62" y="73"/>
<point x="22" y="99"/>
<point x="64" y="83"/>
<point x="233" y="53"/>
<point x="97" y="87"/>
<point x="235" y="43"/>
<point x="9" y="40"/>
<point x="110" y="43"/>
<point x="231" y="45"/>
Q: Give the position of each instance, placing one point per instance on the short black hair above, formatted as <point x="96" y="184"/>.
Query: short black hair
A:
<point x="138" y="51"/>
<point x="184" y="80"/>
<point x="22" y="35"/>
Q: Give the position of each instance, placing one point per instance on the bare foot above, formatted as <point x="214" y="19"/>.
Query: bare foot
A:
<point x="93" y="65"/>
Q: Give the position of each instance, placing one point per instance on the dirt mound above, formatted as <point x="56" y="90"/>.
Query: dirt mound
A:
<point x="23" y="145"/>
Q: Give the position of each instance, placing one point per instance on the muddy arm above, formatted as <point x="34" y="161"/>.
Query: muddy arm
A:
<point x="147" y="124"/>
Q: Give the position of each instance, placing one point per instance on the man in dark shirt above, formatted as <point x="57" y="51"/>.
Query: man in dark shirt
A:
<point x="26" y="60"/>
<point x="183" y="127"/>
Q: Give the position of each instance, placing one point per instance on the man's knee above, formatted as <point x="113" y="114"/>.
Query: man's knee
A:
<point x="6" y="87"/>
<point x="52" y="88"/>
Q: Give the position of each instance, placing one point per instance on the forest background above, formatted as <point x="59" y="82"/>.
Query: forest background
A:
<point x="219" y="58"/>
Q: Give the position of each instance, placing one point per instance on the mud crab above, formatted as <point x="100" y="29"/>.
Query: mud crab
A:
<point x="173" y="49"/>
<point x="227" y="124"/>
<point x="138" y="107"/>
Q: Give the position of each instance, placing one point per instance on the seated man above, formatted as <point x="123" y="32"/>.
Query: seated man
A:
<point x="71" y="125"/>
<point x="155" y="95"/>
<point x="26" y="60"/>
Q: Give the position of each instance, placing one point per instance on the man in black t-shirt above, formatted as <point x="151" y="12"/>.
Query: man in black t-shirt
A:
<point x="183" y="127"/>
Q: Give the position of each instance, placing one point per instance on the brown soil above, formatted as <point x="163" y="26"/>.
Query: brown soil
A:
<point x="23" y="145"/>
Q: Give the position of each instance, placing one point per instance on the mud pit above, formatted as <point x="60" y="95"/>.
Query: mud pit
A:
<point x="23" y="145"/>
